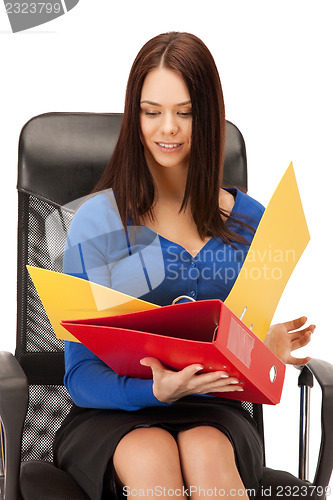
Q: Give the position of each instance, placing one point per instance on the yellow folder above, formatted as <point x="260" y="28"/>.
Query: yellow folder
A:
<point x="279" y="241"/>
<point x="67" y="297"/>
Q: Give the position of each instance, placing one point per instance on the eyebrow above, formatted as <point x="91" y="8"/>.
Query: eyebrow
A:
<point x="156" y="104"/>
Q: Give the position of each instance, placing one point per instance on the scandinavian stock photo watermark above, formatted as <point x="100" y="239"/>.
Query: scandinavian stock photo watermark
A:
<point x="225" y="263"/>
<point x="139" y="263"/>
<point x="27" y="14"/>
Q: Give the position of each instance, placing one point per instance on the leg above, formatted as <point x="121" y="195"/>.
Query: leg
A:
<point x="147" y="459"/>
<point x="208" y="464"/>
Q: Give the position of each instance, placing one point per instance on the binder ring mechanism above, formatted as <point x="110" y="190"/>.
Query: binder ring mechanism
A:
<point x="192" y="300"/>
<point x="182" y="297"/>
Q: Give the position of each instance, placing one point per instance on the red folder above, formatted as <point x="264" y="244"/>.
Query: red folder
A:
<point x="204" y="332"/>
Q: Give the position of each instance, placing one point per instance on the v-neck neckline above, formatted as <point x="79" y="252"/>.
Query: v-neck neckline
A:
<point x="183" y="248"/>
<point x="236" y="197"/>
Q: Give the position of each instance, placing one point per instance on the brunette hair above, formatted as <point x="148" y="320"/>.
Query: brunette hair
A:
<point x="127" y="172"/>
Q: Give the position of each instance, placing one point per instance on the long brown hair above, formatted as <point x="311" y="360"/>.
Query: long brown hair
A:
<point x="127" y="172"/>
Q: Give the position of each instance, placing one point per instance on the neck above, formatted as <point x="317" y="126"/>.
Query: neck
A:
<point x="169" y="183"/>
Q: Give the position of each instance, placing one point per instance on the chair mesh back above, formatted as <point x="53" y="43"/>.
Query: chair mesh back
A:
<point x="43" y="244"/>
<point x="60" y="158"/>
<point x="48" y="403"/>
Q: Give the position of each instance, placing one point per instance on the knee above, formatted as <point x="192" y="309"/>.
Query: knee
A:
<point x="207" y="442"/>
<point x="145" y="446"/>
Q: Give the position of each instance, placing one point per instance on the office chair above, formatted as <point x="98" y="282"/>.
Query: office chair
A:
<point x="61" y="156"/>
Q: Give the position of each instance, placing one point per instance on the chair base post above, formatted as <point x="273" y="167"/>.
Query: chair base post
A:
<point x="305" y="383"/>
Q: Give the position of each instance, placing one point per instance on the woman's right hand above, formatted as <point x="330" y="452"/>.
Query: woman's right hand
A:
<point x="168" y="386"/>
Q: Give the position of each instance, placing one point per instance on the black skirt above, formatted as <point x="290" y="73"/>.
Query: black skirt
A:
<point x="87" y="439"/>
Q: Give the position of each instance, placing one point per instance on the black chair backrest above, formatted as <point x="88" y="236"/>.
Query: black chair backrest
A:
<point x="61" y="157"/>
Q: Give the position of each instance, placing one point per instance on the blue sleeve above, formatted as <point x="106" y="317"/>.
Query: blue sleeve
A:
<point x="92" y="384"/>
<point x="89" y="381"/>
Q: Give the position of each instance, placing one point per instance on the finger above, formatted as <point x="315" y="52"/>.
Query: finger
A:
<point x="294" y="324"/>
<point x="229" y="388"/>
<point x="191" y="370"/>
<point x="152" y="363"/>
<point x="298" y="333"/>
<point x="205" y="385"/>
<point x="302" y="341"/>
<point x="298" y="361"/>
<point x="222" y="388"/>
<point x="212" y="376"/>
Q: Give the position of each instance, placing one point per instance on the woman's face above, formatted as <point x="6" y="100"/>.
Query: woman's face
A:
<point x="166" y="119"/>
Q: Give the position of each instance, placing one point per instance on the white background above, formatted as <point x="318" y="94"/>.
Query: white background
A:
<point x="275" y="63"/>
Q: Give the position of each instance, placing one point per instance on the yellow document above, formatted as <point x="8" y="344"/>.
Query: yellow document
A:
<point x="67" y="297"/>
<point x="278" y="243"/>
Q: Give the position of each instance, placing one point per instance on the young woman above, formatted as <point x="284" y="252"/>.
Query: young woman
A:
<point x="156" y="229"/>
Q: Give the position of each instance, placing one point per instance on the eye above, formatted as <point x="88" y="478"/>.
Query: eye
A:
<point x="151" y="114"/>
<point x="185" y="114"/>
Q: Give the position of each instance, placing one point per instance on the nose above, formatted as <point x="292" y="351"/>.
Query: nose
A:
<point x="169" y="124"/>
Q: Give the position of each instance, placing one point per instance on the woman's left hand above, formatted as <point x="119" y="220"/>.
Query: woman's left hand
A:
<point x="284" y="338"/>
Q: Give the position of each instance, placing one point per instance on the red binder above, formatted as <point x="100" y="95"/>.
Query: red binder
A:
<point x="204" y="332"/>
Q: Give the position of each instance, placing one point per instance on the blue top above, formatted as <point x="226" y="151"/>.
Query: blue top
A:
<point x="148" y="266"/>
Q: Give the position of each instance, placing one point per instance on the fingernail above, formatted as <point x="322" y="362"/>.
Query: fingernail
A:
<point x="234" y="382"/>
<point x="224" y="375"/>
<point x="239" y="389"/>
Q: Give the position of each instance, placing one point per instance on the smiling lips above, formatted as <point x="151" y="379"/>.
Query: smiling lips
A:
<point x="168" y="147"/>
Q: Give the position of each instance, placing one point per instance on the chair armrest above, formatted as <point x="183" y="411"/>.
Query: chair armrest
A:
<point x="323" y="373"/>
<point x="13" y="408"/>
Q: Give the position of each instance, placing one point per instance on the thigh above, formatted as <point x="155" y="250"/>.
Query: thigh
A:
<point x="205" y="448"/>
<point x="148" y="458"/>
<point x="144" y="443"/>
<point x="208" y="462"/>
<point x="234" y="439"/>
